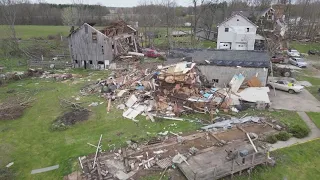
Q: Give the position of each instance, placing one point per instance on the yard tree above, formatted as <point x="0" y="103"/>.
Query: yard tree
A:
<point x="169" y="10"/>
<point x="198" y="9"/>
<point x="69" y="16"/>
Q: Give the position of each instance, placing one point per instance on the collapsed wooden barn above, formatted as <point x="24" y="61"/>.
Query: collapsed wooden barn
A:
<point x="95" y="49"/>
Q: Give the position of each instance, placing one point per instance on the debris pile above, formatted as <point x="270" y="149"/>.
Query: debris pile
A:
<point x="15" y="76"/>
<point x="124" y="38"/>
<point x="75" y="112"/>
<point x="168" y="151"/>
<point x="170" y="91"/>
<point x="13" y="108"/>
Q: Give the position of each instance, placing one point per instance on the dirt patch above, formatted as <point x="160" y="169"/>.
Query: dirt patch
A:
<point x="70" y="118"/>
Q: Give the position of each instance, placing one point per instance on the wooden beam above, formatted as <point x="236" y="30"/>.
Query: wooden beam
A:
<point x="95" y="157"/>
<point x="218" y="139"/>
<point x="99" y="171"/>
<point x="240" y="128"/>
<point x="254" y="147"/>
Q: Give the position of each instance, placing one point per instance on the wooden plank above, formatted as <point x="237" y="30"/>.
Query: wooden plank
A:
<point x="99" y="170"/>
<point x="240" y="128"/>
<point x="125" y="160"/>
<point x="254" y="147"/>
<point x="218" y="139"/>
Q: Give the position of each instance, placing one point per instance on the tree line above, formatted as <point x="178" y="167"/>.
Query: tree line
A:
<point x="27" y="13"/>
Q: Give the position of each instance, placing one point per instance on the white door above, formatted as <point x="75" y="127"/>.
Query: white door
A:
<point x="225" y="45"/>
<point x="241" y="46"/>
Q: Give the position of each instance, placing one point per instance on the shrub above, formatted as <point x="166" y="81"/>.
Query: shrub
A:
<point x="271" y="139"/>
<point x="283" y="136"/>
<point x="298" y="131"/>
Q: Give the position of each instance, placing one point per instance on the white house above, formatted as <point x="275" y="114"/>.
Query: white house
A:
<point x="236" y="33"/>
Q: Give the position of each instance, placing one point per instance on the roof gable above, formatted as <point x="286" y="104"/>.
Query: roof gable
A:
<point x="83" y="26"/>
<point x="235" y="16"/>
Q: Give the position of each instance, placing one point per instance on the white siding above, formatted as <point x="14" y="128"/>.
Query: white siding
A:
<point x="238" y="32"/>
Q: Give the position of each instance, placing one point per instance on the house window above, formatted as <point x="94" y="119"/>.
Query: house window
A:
<point x="102" y="49"/>
<point x="112" y="46"/>
<point x="100" y="62"/>
<point x="226" y="29"/>
<point x="237" y="19"/>
<point x="76" y="61"/>
<point x="94" y="37"/>
<point x="248" y="29"/>
<point x="90" y="62"/>
<point x="215" y="80"/>
<point x="86" y="28"/>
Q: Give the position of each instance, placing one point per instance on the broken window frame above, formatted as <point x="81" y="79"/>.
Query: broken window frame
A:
<point x="215" y="80"/>
<point x="86" y="29"/>
<point x="94" y="37"/>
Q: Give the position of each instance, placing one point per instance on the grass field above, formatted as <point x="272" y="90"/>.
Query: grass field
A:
<point x="304" y="47"/>
<point x="30" y="31"/>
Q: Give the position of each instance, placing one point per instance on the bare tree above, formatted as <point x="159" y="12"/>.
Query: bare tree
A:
<point x="198" y="8"/>
<point x="69" y="16"/>
<point x="169" y="7"/>
<point x="9" y="9"/>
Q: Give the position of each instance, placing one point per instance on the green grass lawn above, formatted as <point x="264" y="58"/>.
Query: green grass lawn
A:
<point x="31" y="31"/>
<point x="315" y="117"/>
<point x="30" y="144"/>
<point x="304" y="47"/>
<point x="209" y="44"/>
<point x="297" y="162"/>
<point x="288" y="118"/>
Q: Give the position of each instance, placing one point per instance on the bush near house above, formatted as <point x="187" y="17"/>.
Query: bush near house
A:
<point x="283" y="136"/>
<point x="299" y="131"/>
<point x="272" y="139"/>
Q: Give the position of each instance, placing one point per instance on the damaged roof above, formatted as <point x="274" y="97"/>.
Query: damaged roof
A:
<point x="117" y="27"/>
<point x="231" y="58"/>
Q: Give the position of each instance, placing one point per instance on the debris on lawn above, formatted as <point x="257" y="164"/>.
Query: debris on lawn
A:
<point x="74" y="113"/>
<point x="70" y="118"/>
<point x="167" y="92"/>
<point x="33" y="73"/>
<point x="12" y="108"/>
<point x="9" y="165"/>
<point x="229" y="151"/>
<point x="36" y="171"/>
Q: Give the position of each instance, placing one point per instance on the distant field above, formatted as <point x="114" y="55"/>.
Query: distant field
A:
<point x="304" y="47"/>
<point x="30" y="31"/>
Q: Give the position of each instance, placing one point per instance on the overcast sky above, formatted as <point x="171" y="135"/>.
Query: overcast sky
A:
<point x="115" y="3"/>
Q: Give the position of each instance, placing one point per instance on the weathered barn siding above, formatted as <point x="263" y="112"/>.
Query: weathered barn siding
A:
<point x="87" y="52"/>
<point x="225" y="73"/>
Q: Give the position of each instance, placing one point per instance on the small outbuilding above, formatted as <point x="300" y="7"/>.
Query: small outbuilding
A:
<point x="219" y="66"/>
